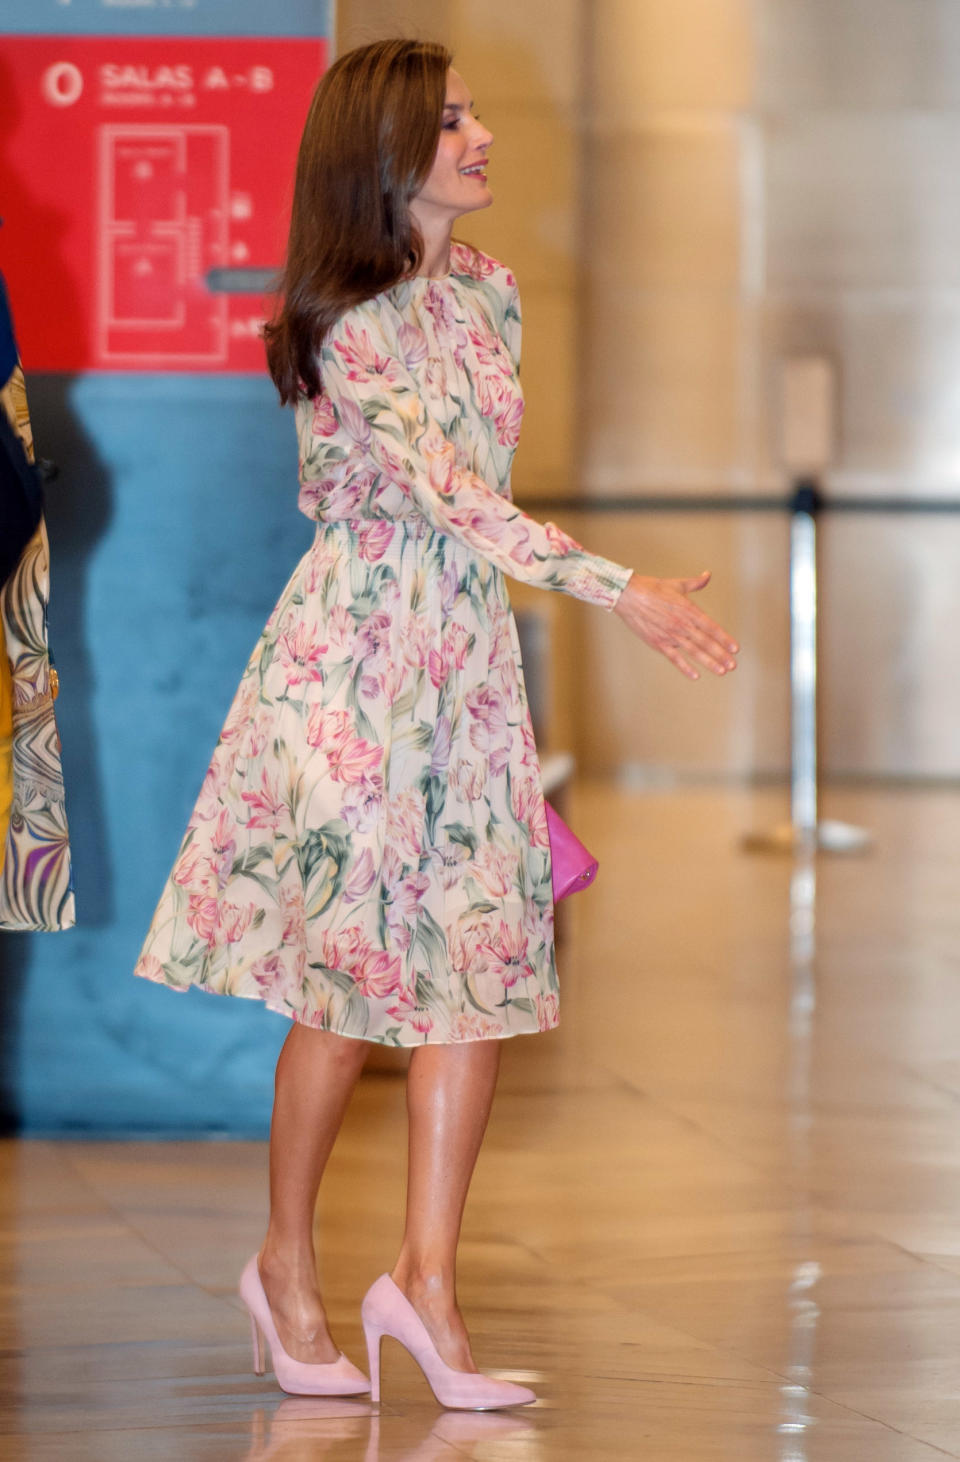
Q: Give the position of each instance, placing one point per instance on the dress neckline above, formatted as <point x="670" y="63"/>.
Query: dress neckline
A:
<point x="459" y="253"/>
<point x="431" y="278"/>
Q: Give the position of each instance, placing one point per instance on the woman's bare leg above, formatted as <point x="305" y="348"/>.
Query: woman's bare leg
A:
<point x="449" y="1095"/>
<point x="316" y="1074"/>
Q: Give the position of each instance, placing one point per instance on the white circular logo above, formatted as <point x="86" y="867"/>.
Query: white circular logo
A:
<point x="62" y="84"/>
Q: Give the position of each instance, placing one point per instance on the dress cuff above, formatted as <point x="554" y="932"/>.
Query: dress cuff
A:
<point x="598" y="580"/>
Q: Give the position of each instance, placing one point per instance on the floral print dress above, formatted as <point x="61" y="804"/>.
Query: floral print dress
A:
<point x="369" y="852"/>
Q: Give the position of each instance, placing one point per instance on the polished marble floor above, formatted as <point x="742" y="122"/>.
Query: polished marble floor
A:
<point x="717" y="1215"/>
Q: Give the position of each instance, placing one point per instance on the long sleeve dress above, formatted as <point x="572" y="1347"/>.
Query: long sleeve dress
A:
<point x="369" y="851"/>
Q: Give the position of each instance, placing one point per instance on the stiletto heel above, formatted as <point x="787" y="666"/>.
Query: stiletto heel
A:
<point x="297" y="1377"/>
<point x="257" y="1334"/>
<point x="387" y="1311"/>
<point x="373" y="1339"/>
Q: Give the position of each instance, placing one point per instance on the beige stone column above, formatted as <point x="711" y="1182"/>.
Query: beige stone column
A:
<point x="668" y="389"/>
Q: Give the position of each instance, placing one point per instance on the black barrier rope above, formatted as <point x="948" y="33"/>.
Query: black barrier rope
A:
<point x="734" y="503"/>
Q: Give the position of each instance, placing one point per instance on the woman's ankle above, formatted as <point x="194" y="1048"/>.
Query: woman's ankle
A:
<point x="291" y="1262"/>
<point x="425" y="1279"/>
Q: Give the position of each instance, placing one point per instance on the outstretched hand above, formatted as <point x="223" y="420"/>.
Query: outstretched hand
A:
<point x="661" y="614"/>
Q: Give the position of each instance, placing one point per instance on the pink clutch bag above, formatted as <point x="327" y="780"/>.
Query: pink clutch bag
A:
<point x="573" y="865"/>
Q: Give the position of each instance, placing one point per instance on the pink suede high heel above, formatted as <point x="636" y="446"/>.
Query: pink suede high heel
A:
<point x="337" y="1378"/>
<point x="387" y="1311"/>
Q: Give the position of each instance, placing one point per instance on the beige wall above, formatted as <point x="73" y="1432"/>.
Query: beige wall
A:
<point x="671" y="399"/>
<point x="690" y="190"/>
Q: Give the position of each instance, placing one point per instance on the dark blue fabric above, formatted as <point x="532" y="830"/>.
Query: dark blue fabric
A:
<point x="8" y="345"/>
<point x="21" y="499"/>
<point x="21" y="495"/>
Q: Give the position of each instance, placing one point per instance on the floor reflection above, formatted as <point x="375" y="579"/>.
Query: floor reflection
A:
<point x="802" y="1310"/>
<point x="796" y="1418"/>
<point x="308" y="1429"/>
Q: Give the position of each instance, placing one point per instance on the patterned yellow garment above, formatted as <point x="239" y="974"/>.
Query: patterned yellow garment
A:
<point x="36" y="888"/>
<point x="6" y="745"/>
<point x="369" y="854"/>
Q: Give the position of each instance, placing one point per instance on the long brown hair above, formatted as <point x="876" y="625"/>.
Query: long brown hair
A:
<point x="368" y="144"/>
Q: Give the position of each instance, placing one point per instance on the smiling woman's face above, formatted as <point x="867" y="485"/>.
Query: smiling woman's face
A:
<point x="458" y="179"/>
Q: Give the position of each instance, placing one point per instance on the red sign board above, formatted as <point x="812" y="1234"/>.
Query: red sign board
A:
<point x="140" y="181"/>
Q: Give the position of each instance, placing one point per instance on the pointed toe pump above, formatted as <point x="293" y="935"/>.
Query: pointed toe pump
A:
<point x="387" y="1311"/>
<point x="296" y="1377"/>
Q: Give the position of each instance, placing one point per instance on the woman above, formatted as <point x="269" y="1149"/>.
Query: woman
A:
<point x="369" y="853"/>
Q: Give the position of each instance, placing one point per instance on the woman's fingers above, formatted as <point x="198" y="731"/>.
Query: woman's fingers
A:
<point x="703" y="652"/>
<point x="694" y="635"/>
<point x="712" y="636"/>
<point x="715" y="631"/>
<point x="715" y="644"/>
